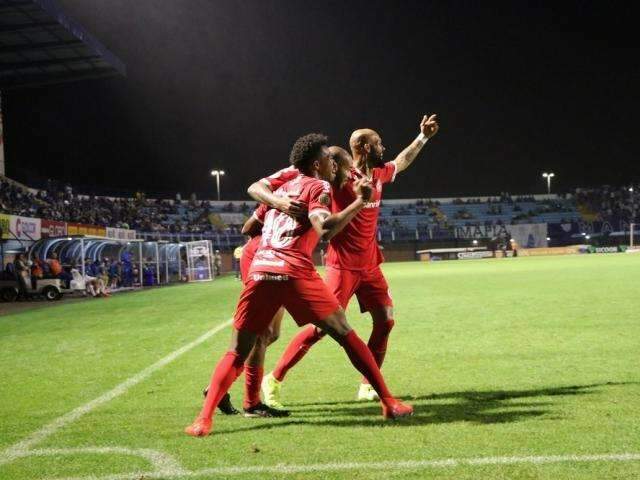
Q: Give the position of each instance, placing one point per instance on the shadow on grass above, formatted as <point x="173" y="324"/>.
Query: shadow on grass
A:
<point x="479" y="407"/>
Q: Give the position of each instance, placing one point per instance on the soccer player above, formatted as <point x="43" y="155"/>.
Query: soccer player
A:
<point x="353" y="257"/>
<point x="254" y="365"/>
<point x="282" y="273"/>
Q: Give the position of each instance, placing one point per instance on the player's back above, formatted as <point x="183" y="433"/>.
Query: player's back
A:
<point x="287" y="243"/>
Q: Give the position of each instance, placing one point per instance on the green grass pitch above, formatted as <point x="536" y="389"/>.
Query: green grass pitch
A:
<point x="502" y="359"/>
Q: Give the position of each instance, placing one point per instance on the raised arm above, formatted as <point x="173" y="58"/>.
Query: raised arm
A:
<point x="328" y="225"/>
<point x="261" y="192"/>
<point x="428" y="128"/>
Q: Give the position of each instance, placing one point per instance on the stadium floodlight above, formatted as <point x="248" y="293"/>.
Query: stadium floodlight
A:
<point x="630" y="189"/>
<point x="217" y="174"/>
<point x="548" y="176"/>
<point x="588" y="237"/>
<point x="475" y="242"/>
<point x="548" y="239"/>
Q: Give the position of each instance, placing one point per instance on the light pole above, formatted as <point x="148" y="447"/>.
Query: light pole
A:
<point x="548" y="176"/>
<point x="217" y="174"/>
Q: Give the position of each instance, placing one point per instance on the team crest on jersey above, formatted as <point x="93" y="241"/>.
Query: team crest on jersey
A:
<point x="324" y="199"/>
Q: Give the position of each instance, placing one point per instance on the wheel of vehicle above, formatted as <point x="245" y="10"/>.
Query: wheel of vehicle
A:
<point x="8" y="294"/>
<point x="51" y="293"/>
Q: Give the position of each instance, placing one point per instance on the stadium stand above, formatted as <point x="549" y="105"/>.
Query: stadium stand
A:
<point x="170" y="217"/>
<point x="608" y="203"/>
<point x="400" y="220"/>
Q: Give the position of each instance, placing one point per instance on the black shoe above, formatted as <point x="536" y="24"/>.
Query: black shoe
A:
<point x="225" y="406"/>
<point x="262" y="410"/>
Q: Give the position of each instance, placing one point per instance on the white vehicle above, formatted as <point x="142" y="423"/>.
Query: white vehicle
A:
<point x="51" y="289"/>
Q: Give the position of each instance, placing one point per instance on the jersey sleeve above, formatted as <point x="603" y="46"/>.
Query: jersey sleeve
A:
<point x="260" y="212"/>
<point x="386" y="173"/>
<point x="281" y="177"/>
<point x="319" y="199"/>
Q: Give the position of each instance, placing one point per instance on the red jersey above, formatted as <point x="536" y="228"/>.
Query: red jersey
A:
<point x="288" y="243"/>
<point x="356" y="246"/>
<point x="281" y="177"/>
<point x="250" y="248"/>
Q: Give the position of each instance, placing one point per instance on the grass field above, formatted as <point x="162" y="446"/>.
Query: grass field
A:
<point x="517" y="368"/>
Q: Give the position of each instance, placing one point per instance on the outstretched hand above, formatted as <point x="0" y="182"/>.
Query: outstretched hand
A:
<point x="429" y="125"/>
<point x="363" y="188"/>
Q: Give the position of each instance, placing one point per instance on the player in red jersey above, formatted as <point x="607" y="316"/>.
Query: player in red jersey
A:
<point x="254" y="364"/>
<point x="282" y="273"/>
<point x="353" y="258"/>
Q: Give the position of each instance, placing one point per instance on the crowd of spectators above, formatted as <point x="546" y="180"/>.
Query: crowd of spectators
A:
<point x="57" y="202"/>
<point x="610" y="203"/>
<point x="504" y="197"/>
<point x="16" y="200"/>
<point x="517" y="209"/>
<point x="60" y="202"/>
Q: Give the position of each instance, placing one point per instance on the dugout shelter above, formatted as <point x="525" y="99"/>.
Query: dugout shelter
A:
<point x="164" y="258"/>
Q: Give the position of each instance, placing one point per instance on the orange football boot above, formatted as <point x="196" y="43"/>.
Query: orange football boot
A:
<point x="396" y="409"/>
<point x="199" y="428"/>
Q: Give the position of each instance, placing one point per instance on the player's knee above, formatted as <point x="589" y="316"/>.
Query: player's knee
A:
<point x="382" y="315"/>
<point x="335" y="324"/>
<point x="242" y="342"/>
<point x="340" y="325"/>
<point x="387" y="326"/>
<point x="262" y="340"/>
<point x="274" y="335"/>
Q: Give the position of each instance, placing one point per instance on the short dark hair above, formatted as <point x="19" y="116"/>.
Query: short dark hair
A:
<point x="306" y="149"/>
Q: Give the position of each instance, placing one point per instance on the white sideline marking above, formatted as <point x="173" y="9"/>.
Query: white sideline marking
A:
<point x="162" y="462"/>
<point x="18" y="449"/>
<point x="361" y="466"/>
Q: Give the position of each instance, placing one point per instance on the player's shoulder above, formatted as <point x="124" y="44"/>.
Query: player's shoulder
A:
<point x="391" y="165"/>
<point x="317" y="184"/>
<point x="384" y="173"/>
<point x="288" y="172"/>
<point x="315" y="189"/>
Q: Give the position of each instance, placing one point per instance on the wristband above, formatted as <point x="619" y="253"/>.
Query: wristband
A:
<point x="422" y="138"/>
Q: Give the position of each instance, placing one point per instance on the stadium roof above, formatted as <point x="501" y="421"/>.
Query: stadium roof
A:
<point x="40" y="45"/>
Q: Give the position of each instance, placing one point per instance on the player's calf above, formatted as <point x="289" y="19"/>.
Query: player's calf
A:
<point x="362" y="359"/>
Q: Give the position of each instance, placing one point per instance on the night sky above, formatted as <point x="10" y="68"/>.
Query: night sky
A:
<point x="519" y="89"/>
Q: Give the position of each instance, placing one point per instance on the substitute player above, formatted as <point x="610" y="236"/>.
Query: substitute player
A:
<point x="282" y="273"/>
<point x="353" y="258"/>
